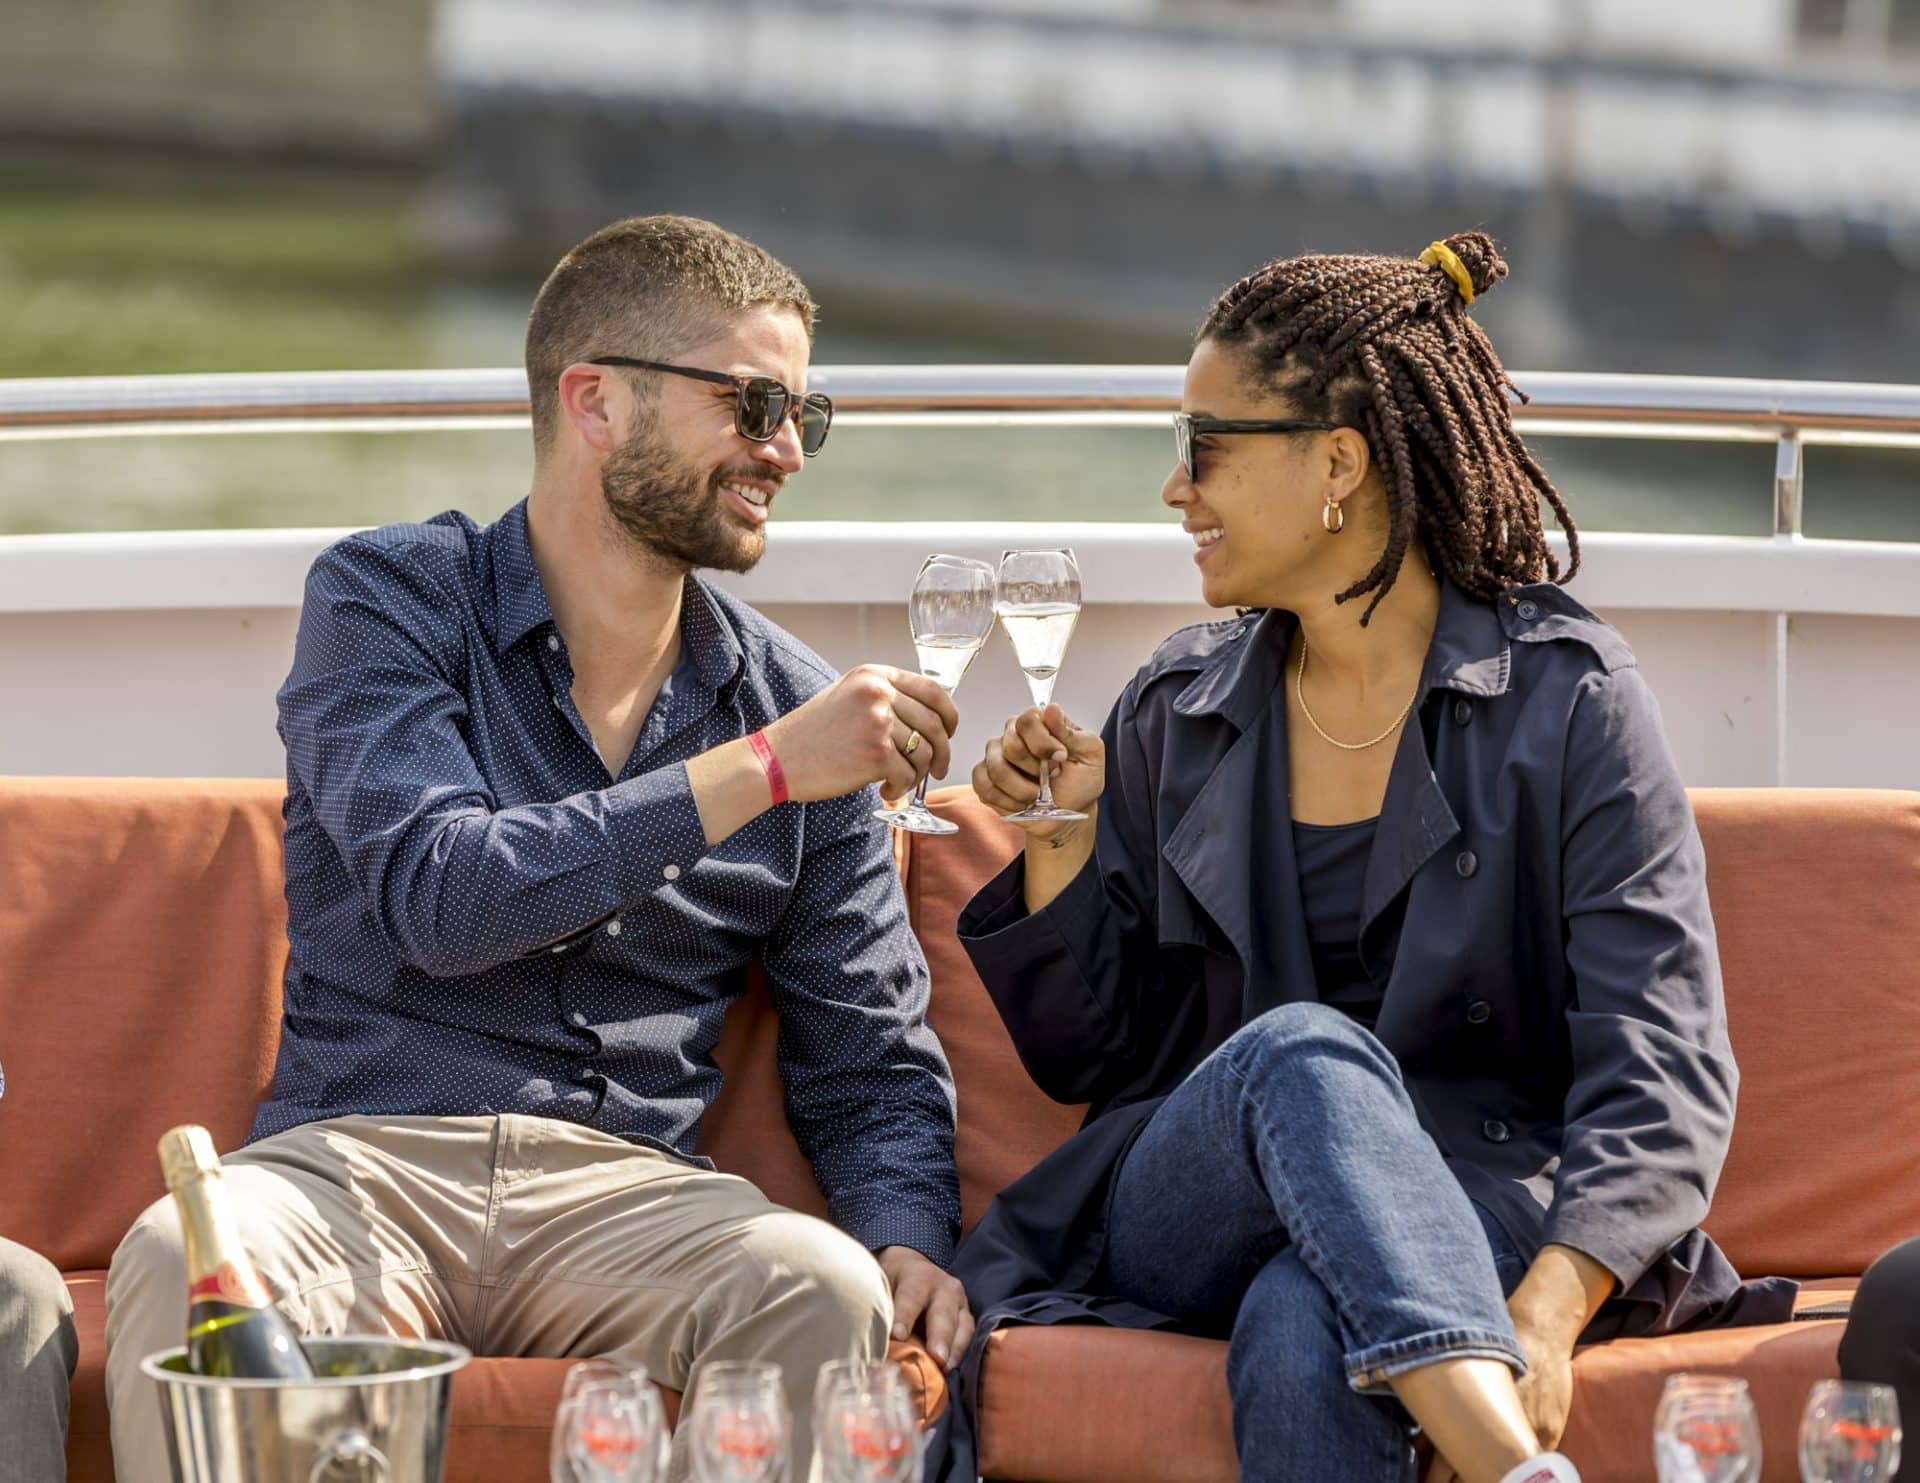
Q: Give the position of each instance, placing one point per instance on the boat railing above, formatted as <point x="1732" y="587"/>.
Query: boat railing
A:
<point x="1789" y="414"/>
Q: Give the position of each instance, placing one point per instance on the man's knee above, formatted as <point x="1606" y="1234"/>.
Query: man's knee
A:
<point x="146" y="1276"/>
<point x="35" y="1307"/>
<point x="818" y="1270"/>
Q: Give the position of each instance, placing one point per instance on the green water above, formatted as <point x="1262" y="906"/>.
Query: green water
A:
<point x="131" y="280"/>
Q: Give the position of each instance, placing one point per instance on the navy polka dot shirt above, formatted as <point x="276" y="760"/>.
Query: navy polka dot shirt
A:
<point x="482" y="920"/>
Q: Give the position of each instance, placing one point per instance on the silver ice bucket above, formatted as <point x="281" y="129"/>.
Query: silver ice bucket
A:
<point x="376" y="1414"/>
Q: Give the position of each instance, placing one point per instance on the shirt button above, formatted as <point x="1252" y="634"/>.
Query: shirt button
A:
<point x="553" y="642"/>
<point x="613" y="927"/>
<point x="671" y="872"/>
<point x="1463" y="711"/>
<point x="560" y="949"/>
<point x="1466" y="863"/>
<point x="1495" y="1131"/>
<point x="1479" y="1012"/>
<point x="578" y="1018"/>
<point x="1529" y="610"/>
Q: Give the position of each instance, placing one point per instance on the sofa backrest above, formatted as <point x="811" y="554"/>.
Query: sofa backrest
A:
<point x="1816" y="901"/>
<point x="142" y="944"/>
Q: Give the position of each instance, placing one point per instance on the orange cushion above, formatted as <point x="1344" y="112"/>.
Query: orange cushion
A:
<point x="142" y="945"/>
<point x="1081" y="1404"/>
<point x="1006" y="1124"/>
<point x="1816" y="896"/>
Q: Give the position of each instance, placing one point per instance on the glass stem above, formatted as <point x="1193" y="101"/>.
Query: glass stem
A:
<point x="920" y="793"/>
<point x="1045" y="800"/>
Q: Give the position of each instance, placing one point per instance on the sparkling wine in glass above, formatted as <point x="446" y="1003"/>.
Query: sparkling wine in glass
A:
<point x="1037" y="595"/>
<point x="951" y="614"/>
<point x="1850" y="1433"/>
<point x="739" y="1424"/>
<point x="1705" y="1431"/>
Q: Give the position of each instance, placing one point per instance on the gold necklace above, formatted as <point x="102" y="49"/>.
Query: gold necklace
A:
<point x="1300" y="694"/>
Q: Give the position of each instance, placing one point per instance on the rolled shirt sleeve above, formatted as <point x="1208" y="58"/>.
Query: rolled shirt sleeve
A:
<point x="1649" y="1113"/>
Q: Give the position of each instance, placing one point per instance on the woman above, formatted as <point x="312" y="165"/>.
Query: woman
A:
<point x="1384" y="957"/>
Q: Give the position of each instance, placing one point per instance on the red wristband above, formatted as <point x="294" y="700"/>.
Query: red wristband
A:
<point x="776" y="775"/>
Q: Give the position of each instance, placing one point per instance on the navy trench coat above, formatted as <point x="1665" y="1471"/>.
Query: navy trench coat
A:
<point x="1534" y="912"/>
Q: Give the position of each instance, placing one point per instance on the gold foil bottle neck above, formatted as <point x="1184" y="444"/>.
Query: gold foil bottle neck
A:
<point x="186" y="1153"/>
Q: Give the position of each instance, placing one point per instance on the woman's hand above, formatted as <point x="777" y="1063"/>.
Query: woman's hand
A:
<point x="1007" y="779"/>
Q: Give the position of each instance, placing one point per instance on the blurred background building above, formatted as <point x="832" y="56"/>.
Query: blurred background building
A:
<point x="1721" y="186"/>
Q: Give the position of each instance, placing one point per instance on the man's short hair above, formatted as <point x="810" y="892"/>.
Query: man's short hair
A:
<point x="649" y="287"/>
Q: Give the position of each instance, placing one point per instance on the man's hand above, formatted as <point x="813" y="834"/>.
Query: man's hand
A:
<point x="927" y="1298"/>
<point x="862" y="729"/>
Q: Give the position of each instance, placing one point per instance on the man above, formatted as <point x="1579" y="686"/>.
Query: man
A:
<point x="38" y="1350"/>
<point x="535" y="838"/>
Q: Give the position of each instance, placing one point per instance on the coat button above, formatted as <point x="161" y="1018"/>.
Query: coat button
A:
<point x="578" y="1018"/>
<point x="553" y="642"/>
<point x="1463" y="711"/>
<point x="1479" y="1012"/>
<point x="1495" y="1130"/>
<point x="1466" y="862"/>
<point x="1529" y="610"/>
<point x="613" y="927"/>
<point x="671" y="872"/>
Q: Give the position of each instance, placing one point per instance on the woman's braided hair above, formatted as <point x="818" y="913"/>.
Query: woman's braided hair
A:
<point x="1384" y="344"/>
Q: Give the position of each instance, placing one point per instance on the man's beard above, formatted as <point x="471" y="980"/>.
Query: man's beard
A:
<point x="671" y="510"/>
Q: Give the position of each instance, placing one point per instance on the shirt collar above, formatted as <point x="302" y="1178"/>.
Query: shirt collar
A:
<point x="519" y="597"/>
<point x="1469" y="652"/>
<point x="520" y="606"/>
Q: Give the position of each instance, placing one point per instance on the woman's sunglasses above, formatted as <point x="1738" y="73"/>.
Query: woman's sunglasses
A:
<point x="761" y="406"/>
<point x="1187" y="428"/>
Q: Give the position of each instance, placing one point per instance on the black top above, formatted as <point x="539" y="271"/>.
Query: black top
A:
<point x="1332" y="860"/>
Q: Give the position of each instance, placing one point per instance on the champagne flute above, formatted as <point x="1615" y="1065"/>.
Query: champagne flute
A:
<point x="1705" y="1431"/>
<point x="739" y="1424"/>
<point x="1037" y="595"/>
<point x="1850" y="1433"/>
<point x="951" y="614"/>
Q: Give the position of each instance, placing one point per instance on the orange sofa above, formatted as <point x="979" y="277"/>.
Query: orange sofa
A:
<point x="141" y="949"/>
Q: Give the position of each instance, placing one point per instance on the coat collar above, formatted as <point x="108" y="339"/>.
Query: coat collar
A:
<point x="1469" y="653"/>
<point x="1236" y="840"/>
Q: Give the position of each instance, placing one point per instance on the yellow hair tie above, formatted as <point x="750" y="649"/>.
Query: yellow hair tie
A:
<point x="1443" y="257"/>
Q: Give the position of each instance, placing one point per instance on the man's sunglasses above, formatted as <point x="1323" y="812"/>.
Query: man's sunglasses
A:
<point x="1187" y="428"/>
<point x="761" y="406"/>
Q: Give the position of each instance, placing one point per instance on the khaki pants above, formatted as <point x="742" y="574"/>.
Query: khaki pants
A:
<point x="38" y="1350"/>
<point x="513" y="1236"/>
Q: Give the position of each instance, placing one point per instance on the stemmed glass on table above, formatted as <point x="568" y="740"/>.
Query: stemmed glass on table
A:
<point x="866" y="1424"/>
<point x="610" y="1427"/>
<point x="739" y="1424"/>
<point x="1850" y="1433"/>
<point x="1037" y="597"/>
<point x="1705" y="1431"/>
<point x="951" y="614"/>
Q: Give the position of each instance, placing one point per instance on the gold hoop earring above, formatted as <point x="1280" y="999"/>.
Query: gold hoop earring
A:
<point x="1333" y="518"/>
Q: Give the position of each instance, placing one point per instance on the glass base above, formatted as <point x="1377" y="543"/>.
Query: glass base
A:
<point x="915" y="819"/>
<point x="1034" y="813"/>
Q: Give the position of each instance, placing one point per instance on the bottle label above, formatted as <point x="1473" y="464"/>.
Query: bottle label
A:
<point x="228" y="1285"/>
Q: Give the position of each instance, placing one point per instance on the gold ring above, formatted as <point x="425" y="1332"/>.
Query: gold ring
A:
<point x="913" y="740"/>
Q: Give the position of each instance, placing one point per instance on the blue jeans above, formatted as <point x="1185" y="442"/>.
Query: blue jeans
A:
<point x="1286" y="1196"/>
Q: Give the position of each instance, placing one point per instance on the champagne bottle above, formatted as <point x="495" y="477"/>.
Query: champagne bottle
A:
<point x="233" y="1329"/>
